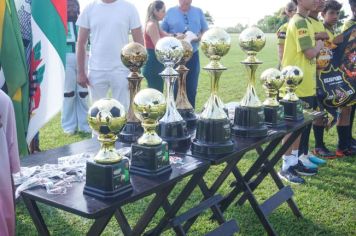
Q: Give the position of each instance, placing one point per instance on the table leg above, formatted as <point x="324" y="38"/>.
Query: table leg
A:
<point x="151" y="210"/>
<point x="99" y="225"/>
<point x="123" y="222"/>
<point x="35" y="215"/>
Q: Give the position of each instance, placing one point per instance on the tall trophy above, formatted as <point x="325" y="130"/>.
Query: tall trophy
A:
<point x="149" y="156"/>
<point x="172" y="127"/>
<point x="133" y="56"/>
<point x="184" y="107"/>
<point x="249" y="114"/>
<point x="273" y="80"/>
<point x="293" y="109"/>
<point x="107" y="176"/>
<point x="213" y="134"/>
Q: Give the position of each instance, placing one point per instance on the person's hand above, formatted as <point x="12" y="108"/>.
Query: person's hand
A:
<point x="82" y="80"/>
<point x="180" y="36"/>
<point x="319" y="44"/>
<point x="321" y="36"/>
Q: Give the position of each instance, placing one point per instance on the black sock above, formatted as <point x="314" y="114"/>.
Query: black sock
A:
<point x="304" y="141"/>
<point x="344" y="141"/>
<point x="319" y="136"/>
<point x="352" y="117"/>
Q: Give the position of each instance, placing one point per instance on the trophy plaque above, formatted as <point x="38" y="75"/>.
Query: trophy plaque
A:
<point x="107" y="176"/>
<point x="133" y="56"/>
<point x="184" y="107"/>
<point x="149" y="156"/>
<point x="213" y="134"/>
<point x="273" y="80"/>
<point x="249" y="120"/>
<point x="293" y="109"/>
<point x="172" y="127"/>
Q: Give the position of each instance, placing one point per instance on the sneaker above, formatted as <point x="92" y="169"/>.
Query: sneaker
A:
<point x="316" y="160"/>
<point x="347" y="152"/>
<point x="291" y="176"/>
<point x="303" y="170"/>
<point x="324" y="153"/>
<point x="307" y="163"/>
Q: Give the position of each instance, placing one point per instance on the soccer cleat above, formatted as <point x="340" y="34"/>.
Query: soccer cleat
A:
<point x="324" y="153"/>
<point x="291" y="176"/>
<point x="316" y="160"/>
<point x="303" y="170"/>
<point x="347" y="152"/>
<point x="307" y="163"/>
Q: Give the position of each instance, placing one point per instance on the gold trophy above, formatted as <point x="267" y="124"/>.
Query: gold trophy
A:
<point x="273" y="80"/>
<point x="172" y="126"/>
<point x="213" y="134"/>
<point x="293" y="109"/>
<point x="149" y="157"/>
<point x="184" y="107"/>
<point x="108" y="175"/>
<point x="133" y="56"/>
<point x="249" y="115"/>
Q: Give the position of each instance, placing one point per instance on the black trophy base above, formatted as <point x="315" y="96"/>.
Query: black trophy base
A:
<point x="175" y="134"/>
<point x="213" y="138"/>
<point x="190" y="117"/>
<point x="274" y="116"/>
<point x="150" y="161"/>
<point x="249" y="122"/>
<point x="293" y="110"/>
<point x="131" y="132"/>
<point x="108" y="181"/>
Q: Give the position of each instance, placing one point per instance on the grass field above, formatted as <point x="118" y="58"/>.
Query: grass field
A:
<point x="327" y="201"/>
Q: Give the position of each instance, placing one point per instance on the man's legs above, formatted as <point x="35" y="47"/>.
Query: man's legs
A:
<point x="99" y="84"/>
<point x="120" y="87"/>
<point x="69" y="117"/>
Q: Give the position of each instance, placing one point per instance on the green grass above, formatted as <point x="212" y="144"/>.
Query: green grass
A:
<point x="327" y="201"/>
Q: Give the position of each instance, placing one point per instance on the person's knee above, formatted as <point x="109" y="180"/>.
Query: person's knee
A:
<point x="69" y="94"/>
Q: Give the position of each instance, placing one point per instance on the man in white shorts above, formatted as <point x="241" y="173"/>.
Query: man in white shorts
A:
<point x="108" y="22"/>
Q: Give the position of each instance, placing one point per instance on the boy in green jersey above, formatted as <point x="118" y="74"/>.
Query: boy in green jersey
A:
<point x="302" y="51"/>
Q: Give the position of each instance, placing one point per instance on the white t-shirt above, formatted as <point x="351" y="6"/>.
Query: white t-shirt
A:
<point x="109" y="25"/>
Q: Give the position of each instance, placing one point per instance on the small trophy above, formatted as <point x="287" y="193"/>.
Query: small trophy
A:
<point x="107" y="176"/>
<point x="249" y="115"/>
<point x="184" y="107"/>
<point x="149" y="156"/>
<point x="293" y="109"/>
<point x="213" y="134"/>
<point x="273" y="80"/>
<point x="172" y="127"/>
<point x="133" y="56"/>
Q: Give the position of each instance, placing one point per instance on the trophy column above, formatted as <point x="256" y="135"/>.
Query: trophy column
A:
<point x="249" y="114"/>
<point x="133" y="56"/>
<point x="149" y="156"/>
<point x="107" y="177"/>
<point x="273" y="80"/>
<point x="184" y="107"/>
<point x="213" y="134"/>
<point x="172" y="127"/>
<point x="293" y="109"/>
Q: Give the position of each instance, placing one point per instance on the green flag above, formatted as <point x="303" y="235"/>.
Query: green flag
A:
<point x="13" y="63"/>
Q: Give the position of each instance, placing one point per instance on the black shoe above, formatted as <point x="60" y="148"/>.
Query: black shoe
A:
<point x="291" y="176"/>
<point x="302" y="170"/>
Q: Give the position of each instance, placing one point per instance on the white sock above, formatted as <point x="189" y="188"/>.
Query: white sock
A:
<point x="295" y="153"/>
<point x="288" y="161"/>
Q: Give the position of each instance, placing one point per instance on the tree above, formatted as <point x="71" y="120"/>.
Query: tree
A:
<point x="238" y="28"/>
<point x="270" y="24"/>
<point x="209" y="18"/>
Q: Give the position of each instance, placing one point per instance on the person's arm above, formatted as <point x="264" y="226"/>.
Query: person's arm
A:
<point x="280" y="52"/>
<point x="82" y="77"/>
<point x="137" y="35"/>
<point x="313" y="52"/>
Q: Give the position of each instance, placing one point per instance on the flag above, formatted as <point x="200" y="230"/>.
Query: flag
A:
<point x="13" y="63"/>
<point x="48" y="23"/>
